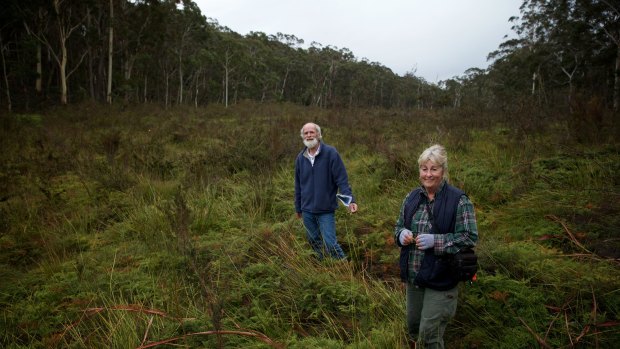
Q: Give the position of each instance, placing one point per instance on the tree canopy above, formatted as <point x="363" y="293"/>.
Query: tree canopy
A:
<point x="168" y="52"/>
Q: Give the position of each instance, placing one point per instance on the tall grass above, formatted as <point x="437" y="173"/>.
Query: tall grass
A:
<point x="152" y="227"/>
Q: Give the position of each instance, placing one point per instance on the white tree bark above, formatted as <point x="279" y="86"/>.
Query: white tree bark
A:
<point x="6" y="78"/>
<point x="617" y="79"/>
<point x="110" y="53"/>
<point x="226" y="72"/>
<point x="63" y="22"/>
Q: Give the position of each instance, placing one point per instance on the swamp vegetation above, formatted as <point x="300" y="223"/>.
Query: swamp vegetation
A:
<point x="137" y="227"/>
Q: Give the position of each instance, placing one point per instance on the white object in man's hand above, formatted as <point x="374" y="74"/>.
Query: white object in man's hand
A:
<point x="345" y="199"/>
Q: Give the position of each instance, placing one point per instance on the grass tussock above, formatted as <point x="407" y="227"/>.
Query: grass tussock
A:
<point x="143" y="227"/>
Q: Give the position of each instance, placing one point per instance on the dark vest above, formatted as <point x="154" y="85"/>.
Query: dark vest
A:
<point x="444" y="220"/>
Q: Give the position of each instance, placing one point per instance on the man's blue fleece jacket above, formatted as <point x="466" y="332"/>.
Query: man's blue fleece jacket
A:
<point x="316" y="186"/>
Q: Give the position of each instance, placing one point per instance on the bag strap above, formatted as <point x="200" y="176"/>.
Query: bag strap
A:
<point x="431" y="217"/>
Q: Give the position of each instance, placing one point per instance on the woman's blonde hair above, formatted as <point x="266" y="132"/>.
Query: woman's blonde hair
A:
<point x="436" y="154"/>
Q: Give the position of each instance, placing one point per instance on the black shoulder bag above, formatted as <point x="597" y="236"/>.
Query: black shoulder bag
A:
<point x="464" y="264"/>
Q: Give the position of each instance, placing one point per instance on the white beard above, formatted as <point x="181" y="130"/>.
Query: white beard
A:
<point x="311" y="143"/>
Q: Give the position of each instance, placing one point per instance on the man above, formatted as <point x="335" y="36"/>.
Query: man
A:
<point x="319" y="173"/>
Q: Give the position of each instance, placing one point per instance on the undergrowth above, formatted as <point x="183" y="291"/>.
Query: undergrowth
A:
<point x="144" y="227"/>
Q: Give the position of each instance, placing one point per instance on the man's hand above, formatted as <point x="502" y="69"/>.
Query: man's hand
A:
<point x="298" y="215"/>
<point x="353" y="207"/>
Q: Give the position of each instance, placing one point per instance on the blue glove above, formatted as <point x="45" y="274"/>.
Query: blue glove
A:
<point x="425" y="241"/>
<point x="405" y="234"/>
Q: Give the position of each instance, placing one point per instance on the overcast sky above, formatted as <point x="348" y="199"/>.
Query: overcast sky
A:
<point x="436" y="39"/>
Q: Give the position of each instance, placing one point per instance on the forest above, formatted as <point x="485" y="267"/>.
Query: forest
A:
<point x="167" y="52"/>
<point x="146" y="181"/>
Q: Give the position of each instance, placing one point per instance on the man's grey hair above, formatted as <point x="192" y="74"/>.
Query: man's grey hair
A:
<point x="316" y="127"/>
<point x="438" y="155"/>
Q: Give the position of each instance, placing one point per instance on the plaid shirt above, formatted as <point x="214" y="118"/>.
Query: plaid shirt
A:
<point x="465" y="230"/>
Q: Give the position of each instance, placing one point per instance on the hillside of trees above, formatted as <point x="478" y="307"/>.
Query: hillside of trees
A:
<point x="567" y="53"/>
<point x="146" y="181"/>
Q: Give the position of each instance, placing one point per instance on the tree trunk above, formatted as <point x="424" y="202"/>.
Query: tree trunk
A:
<point x="226" y="87"/>
<point x="197" y="81"/>
<point x="185" y="32"/>
<point x="284" y="83"/>
<point x="6" y="78"/>
<point x="38" y="84"/>
<point x="89" y="49"/>
<point x="617" y="79"/>
<point x="63" y="73"/>
<point x="180" y="78"/>
<point x="226" y="71"/>
<point x="110" y="54"/>
<point x="167" y="89"/>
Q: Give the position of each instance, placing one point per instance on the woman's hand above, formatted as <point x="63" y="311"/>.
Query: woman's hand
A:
<point x="405" y="237"/>
<point x="425" y="241"/>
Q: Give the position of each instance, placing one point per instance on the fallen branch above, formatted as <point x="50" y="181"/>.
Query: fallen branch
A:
<point x="261" y="337"/>
<point x="89" y="312"/>
<point x="536" y="336"/>
<point x="570" y="235"/>
<point x="570" y="338"/>
<point x="578" y="244"/>
<point x="586" y="328"/>
<point x="134" y="308"/>
<point x="146" y="333"/>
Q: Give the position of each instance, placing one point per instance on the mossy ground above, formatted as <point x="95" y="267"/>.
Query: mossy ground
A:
<point x="121" y="228"/>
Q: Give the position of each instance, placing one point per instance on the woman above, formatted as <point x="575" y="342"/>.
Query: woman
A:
<point x="436" y="221"/>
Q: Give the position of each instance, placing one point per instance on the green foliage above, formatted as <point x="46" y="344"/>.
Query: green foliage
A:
<point x="150" y="224"/>
<point x="29" y="119"/>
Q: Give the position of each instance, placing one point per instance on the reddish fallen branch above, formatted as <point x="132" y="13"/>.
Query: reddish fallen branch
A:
<point x="89" y="312"/>
<point x="259" y="336"/>
<point x="574" y="240"/>
<point x="536" y="336"/>
<point x="568" y="232"/>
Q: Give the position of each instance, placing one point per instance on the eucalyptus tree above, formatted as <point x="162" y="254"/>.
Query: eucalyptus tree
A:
<point x="131" y="22"/>
<point x="408" y="91"/>
<point x="110" y="53"/>
<point x="296" y="77"/>
<point x="167" y="51"/>
<point x="31" y="17"/>
<point x="185" y="26"/>
<point x="229" y="49"/>
<point x="477" y="88"/>
<point x="259" y="71"/>
<point x="318" y="73"/>
<point x="362" y="86"/>
<point x="285" y="58"/>
<point x="3" y="49"/>
<point x="603" y="17"/>
<point x="146" y="44"/>
<point x="454" y="91"/>
<point x="61" y="21"/>
<point x="338" y="58"/>
<point x="564" y="46"/>
<point x="325" y="61"/>
<point x="97" y="14"/>
<point x="9" y="37"/>
<point x="345" y="84"/>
